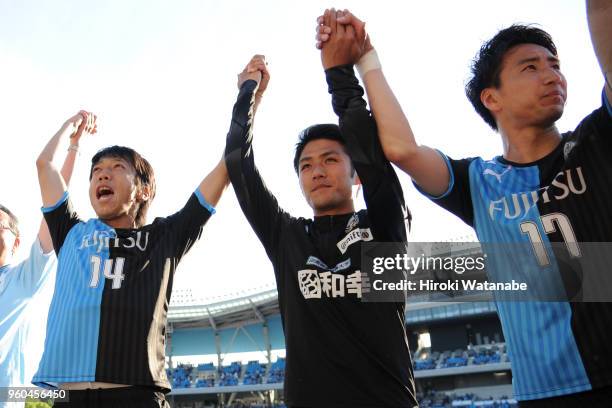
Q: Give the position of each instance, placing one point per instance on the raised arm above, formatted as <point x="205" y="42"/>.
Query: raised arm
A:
<point x="256" y="201"/>
<point x="423" y="164"/>
<point x="382" y="191"/>
<point x="599" y="15"/>
<point x="54" y="181"/>
<point x="215" y="183"/>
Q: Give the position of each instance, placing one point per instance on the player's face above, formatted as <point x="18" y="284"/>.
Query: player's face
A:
<point x="325" y="177"/>
<point x="532" y="88"/>
<point x="8" y="241"/>
<point x="113" y="191"/>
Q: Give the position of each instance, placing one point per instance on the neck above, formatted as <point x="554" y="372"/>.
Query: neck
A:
<point x="123" y="221"/>
<point x="343" y="209"/>
<point x="529" y="144"/>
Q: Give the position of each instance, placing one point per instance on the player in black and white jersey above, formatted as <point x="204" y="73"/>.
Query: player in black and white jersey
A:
<point x="341" y="352"/>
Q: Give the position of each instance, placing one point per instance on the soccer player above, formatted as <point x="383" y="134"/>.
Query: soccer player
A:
<point x="26" y="288"/>
<point x="341" y="352"/>
<point x="106" y="333"/>
<point x="560" y="352"/>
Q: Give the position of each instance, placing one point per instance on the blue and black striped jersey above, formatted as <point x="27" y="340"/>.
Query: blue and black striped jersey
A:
<point x="556" y="347"/>
<point x="108" y="313"/>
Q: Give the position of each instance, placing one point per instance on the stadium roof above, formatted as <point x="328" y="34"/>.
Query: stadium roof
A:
<point x="235" y="309"/>
<point x="188" y="311"/>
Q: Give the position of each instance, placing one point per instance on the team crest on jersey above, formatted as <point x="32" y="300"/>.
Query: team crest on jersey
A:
<point x="569" y="146"/>
<point x="352" y="223"/>
<point x="356" y="235"/>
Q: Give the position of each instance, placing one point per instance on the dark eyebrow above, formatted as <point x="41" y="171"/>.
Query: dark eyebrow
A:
<point x="329" y="153"/>
<point x="536" y="59"/>
<point x="324" y="154"/>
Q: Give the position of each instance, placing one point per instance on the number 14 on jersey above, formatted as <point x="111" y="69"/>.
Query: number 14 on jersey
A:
<point x="113" y="269"/>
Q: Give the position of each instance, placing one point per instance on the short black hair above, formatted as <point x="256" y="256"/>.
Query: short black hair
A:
<point x="321" y="131"/>
<point x="13" y="220"/>
<point x="486" y="66"/>
<point x="144" y="174"/>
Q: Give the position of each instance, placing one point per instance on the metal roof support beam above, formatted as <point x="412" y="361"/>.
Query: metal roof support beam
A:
<point x="221" y="398"/>
<point x="266" y="331"/>
<point x="266" y="335"/>
<point x="229" y="348"/>
<point x="211" y="320"/>
<point x="218" y="348"/>
<point x="217" y="343"/>
<point x="258" y="314"/>
<point x="262" y="398"/>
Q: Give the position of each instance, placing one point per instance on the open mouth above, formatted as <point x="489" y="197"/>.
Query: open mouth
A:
<point x="104" y="193"/>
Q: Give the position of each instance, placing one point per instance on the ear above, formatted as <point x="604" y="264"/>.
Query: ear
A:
<point x="356" y="180"/>
<point x="491" y="100"/>
<point x="144" y="193"/>
<point x="16" y="245"/>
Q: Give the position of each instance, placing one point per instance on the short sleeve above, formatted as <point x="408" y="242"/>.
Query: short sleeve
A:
<point x="36" y="268"/>
<point x="60" y="218"/>
<point x="185" y="226"/>
<point x="457" y="198"/>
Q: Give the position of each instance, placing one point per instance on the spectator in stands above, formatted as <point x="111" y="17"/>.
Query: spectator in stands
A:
<point x="340" y="351"/>
<point x="26" y="288"/>
<point x="560" y="355"/>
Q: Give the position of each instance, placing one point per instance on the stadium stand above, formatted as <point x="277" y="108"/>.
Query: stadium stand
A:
<point x="474" y="355"/>
<point x="229" y="375"/>
<point x="254" y="373"/>
<point x="277" y="372"/>
<point x="464" y="364"/>
<point x="443" y="400"/>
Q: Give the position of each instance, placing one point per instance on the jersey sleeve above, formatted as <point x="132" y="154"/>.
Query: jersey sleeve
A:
<point x="382" y="191"/>
<point x="457" y="198"/>
<point x="60" y="218"/>
<point x="257" y="203"/>
<point x="36" y="268"/>
<point x="185" y="226"/>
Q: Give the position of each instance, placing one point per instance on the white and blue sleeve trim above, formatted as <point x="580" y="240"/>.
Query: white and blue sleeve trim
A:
<point x="203" y="202"/>
<point x="61" y="201"/>
<point x="451" y="181"/>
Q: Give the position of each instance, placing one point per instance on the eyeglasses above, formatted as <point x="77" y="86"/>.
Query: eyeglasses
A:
<point x="8" y="227"/>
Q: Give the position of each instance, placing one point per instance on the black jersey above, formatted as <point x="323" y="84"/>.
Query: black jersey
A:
<point x="108" y="314"/>
<point x="556" y="348"/>
<point x="341" y="352"/>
